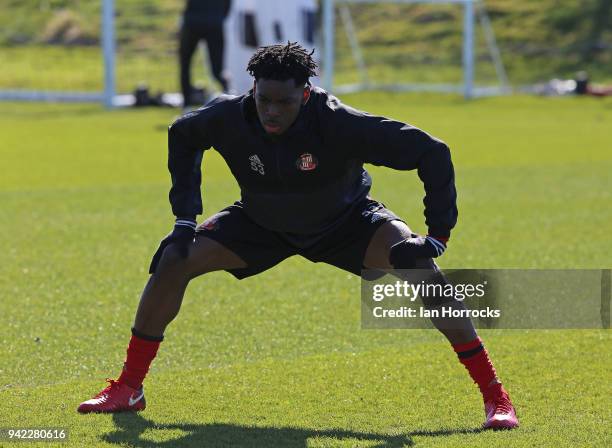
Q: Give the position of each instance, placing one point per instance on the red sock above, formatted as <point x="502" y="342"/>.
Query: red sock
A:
<point x="476" y="360"/>
<point x="140" y="354"/>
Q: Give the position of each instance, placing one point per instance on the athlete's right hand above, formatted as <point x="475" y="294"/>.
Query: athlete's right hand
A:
<point x="181" y="236"/>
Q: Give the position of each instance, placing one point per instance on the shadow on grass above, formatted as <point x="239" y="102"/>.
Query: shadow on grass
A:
<point x="136" y="431"/>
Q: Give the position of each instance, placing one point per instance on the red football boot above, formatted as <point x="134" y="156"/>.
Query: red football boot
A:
<point x="499" y="410"/>
<point x="116" y="397"/>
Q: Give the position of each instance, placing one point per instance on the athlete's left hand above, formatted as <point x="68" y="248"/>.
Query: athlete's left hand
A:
<point x="182" y="236"/>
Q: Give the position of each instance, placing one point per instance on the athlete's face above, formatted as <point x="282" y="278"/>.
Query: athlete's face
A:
<point x="278" y="103"/>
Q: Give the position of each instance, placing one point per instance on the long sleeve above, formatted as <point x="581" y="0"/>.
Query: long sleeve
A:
<point x="188" y="138"/>
<point x="385" y="142"/>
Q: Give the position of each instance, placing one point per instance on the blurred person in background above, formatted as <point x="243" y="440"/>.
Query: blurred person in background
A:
<point x="202" y="20"/>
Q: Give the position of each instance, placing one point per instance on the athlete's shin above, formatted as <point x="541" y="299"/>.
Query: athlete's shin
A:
<point x="475" y="358"/>
<point x="141" y="351"/>
<point x="457" y="330"/>
<point x="160" y="302"/>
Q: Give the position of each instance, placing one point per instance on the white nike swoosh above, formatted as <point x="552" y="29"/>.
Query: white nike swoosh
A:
<point x="133" y="402"/>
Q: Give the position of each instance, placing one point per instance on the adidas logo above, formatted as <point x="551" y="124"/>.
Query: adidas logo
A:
<point x="256" y="164"/>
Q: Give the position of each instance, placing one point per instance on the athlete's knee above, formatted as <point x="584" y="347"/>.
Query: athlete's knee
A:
<point x="401" y="256"/>
<point x="173" y="260"/>
<point x="424" y="271"/>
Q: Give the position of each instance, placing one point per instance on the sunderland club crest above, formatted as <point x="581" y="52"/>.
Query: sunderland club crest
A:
<point x="306" y="162"/>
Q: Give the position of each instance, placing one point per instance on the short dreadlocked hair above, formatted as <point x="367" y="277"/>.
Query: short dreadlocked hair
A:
<point x="283" y="62"/>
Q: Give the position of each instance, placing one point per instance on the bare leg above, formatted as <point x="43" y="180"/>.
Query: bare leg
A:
<point x="457" y="331"/>
<point x="159" y="304"/>
<point x="460" y="332"/>
<point x="162" y="297"/>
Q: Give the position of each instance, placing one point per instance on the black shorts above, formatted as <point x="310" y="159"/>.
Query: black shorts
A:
<point x="344" y="246"/>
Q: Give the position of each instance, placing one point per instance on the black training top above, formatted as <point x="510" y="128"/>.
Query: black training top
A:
<point x="309" y="178"/>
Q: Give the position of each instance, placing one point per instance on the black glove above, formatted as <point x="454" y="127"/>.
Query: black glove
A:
<point x="181" y="236"/>
<point x="416" y="247"/>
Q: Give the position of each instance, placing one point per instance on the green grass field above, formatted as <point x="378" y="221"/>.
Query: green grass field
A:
<point x="280" y="360"/>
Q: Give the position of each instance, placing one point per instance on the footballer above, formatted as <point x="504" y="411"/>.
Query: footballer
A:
<point x="297" y="154"/>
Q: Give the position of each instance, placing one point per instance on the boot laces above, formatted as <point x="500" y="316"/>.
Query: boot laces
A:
<point x="502" y="404"/>
<point x="112" y="384"/>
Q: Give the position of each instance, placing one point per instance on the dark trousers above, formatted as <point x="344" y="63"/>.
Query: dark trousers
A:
<point x="190" y="36"/>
